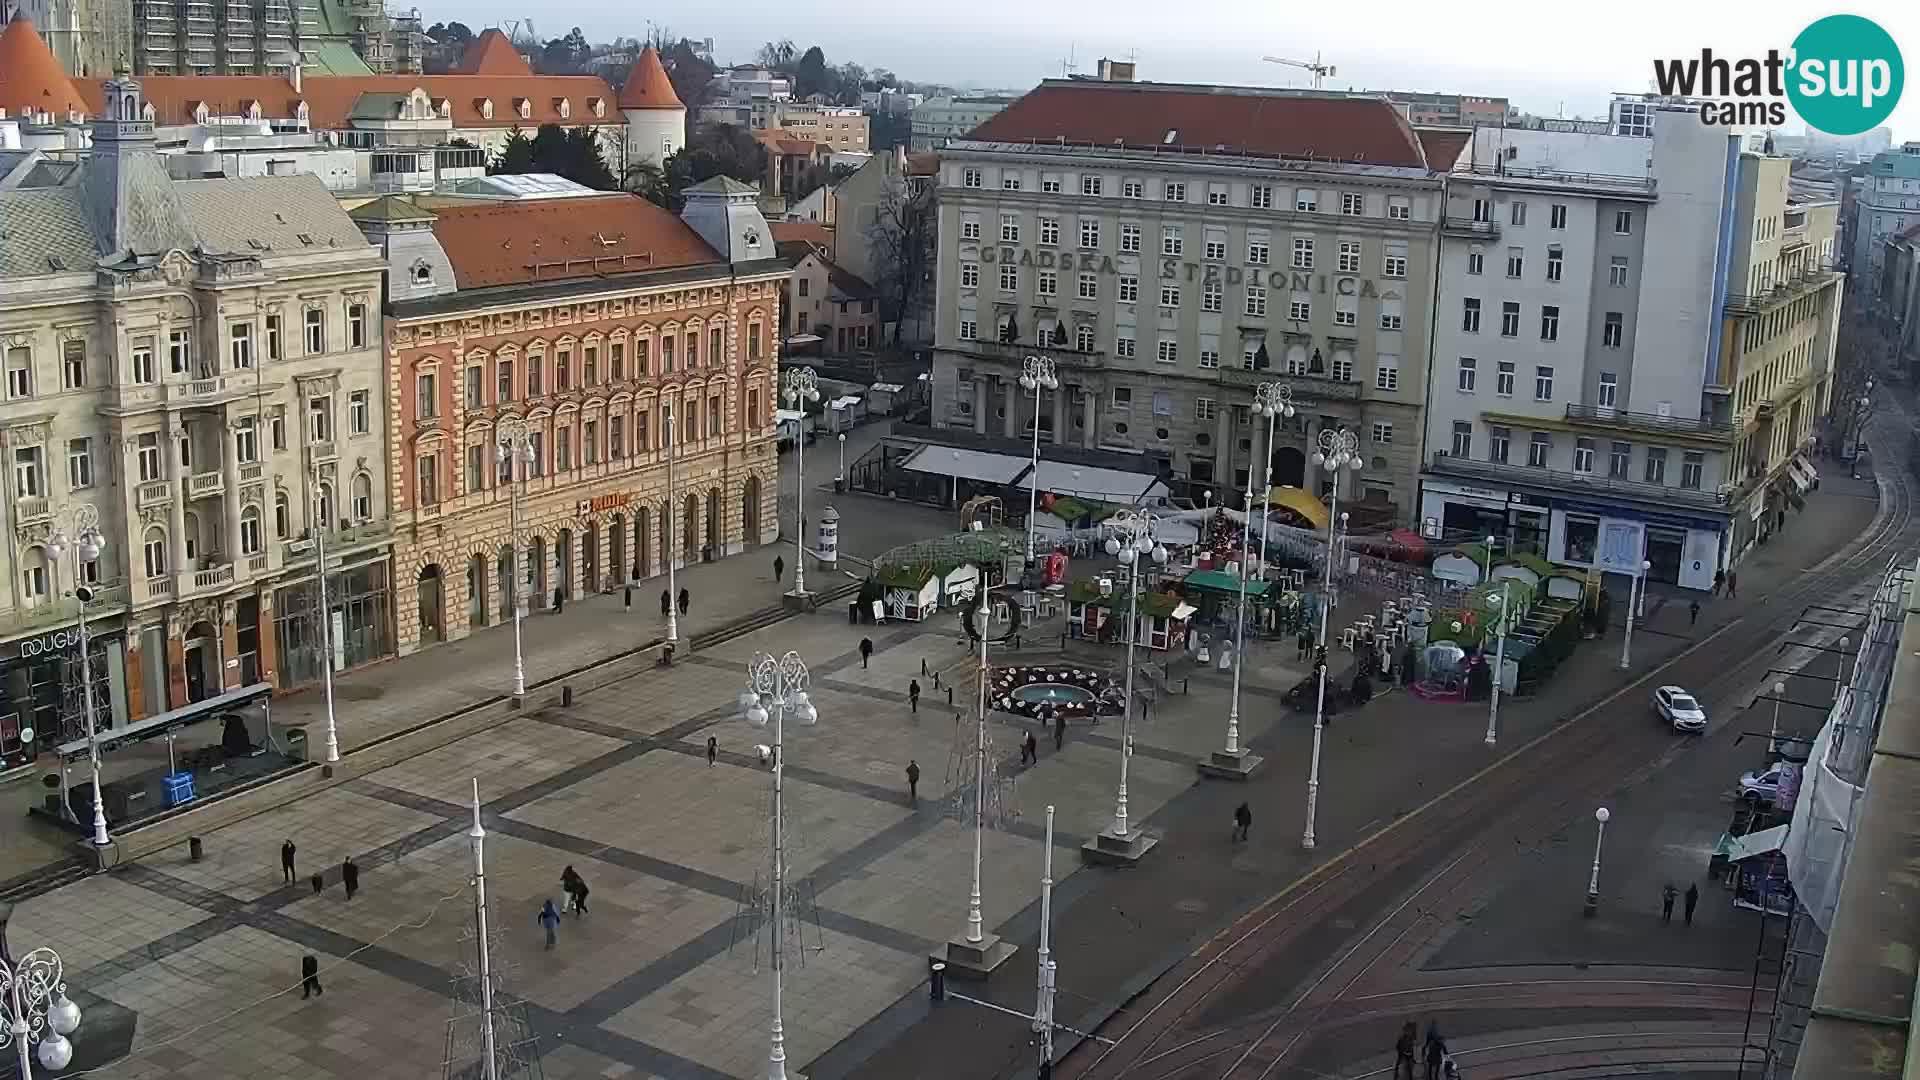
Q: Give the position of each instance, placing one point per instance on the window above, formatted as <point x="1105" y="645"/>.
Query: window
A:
<point x="1170" y="296"/>
<point x="1617" y="271"/>
<point x="563" y="446"/>
<point x="1088" y="287"/>
<point x="179" y="351"/>
<point x="1162" y="403"/>
<point x="1612" y="330"/>
<point x="1209" y="358"/>
<point x="1303" y="253"/>
<point x="319" y="419"/>
<point x="969" y="229"/>
<point x="1554" y="264"/>
<point x="1549" y="323"/>
<point x="1469" y="374"/>
<point x="1216" y="249"/>
<point x="1519" y="213"/>
<point x="1170" y="240"/>
<point x="1299" y="307"/>
<point x="1352" y="203"/>
<point x="1091" y="185"/>
<point x="1342" y="367"/>
<point x="142" y="361"/>
<point x="273" y="337"/>
<point x="969" y="276"/>
<point x="1129" y="289"/>
<point x="1260" y="197"/>
<point x="1619" y="458"/>
<point x="1306" y="200"/>
<point x="427" y="490"/>
<point x="1216" y="194"/>
<point x="1049" y="229"/>
<point x="360" y="409"/>
<point x="425" y="398"/>
<point x="1349" y="258"/>
<point x="1483" y="210"/>
<point x="1503" y="372"/>
<point x="1398" y="208"/>
<point x="1205" y="409"/>
<point x="1516" y="261"/>
<point x="1257" y="301"/>
<point x="316" y="331"/>
<point x="1557" y="216"/>
<point x="1476" y="260"/>
<point x="1009" y="277"/>
<point x="1173" y="191"/>
<point x="277" y="428"/>
<point x="250" y="539"/>
<point x="1345" y="311"/>
<point x="1538" y="448"/>
<point x="1386" y="375"/>
<point x="969" y="328"/>
<point x="1623" y="222"/>
<point x="1048" y="284"/>
<point x="476" y="478"/>
<point x="1470" y="315"/>
<point x="590" y="359"/>
<point x="1392" y="312"/>
<point x="1089" y="233"/>
<point x="1382" y="432"/>
<point x="1133" y="189"/>
<point x="1509" y="320"/>
<point x="1083" y="338"/>
<point x="1462" y="438"/>
<point x="246" y="448"/>
<point x="1123" y="344"/>
<point x="1542" y="383"/>
<point x="1006" y="329"/>
<point x="590" y="439"/>
<point x="240" y="346"/>
<point x="1129" y="238"/>
<point x="73" y="365"/>
<point x="1211" y="295"/>
<point x="1498" y="440"/>
<point x="1010" y="181"/>
<point x="147" y="454"/>
<point x="1257" y="247"/>
<point x="1692" y="464"/>
<point x="19" y="373"/>
<point x="1169" y="351"/>
<point x="79" y="464"/>
<point x="1656" y="465"/>
<point x="970" y="178"/>
<point x="1583" y="455"/>
<point x="1393" y="263"/>
<point x="282" y="516"/>
<point x="1609" y="389"/>
<point x="28" y="479"/>
<point x="155" y="549"/>
<point x="1122" y="397"/>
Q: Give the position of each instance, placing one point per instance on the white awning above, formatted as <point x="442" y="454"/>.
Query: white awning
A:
<point x="1099" y="485"/>
<point x="805" y="339"/>
<point x="966" y="464"/>
<point x="1798" y="479"/>
<point x="1764" y="842"/>
<point x="788" y="416"/>
<point x="846" y="402"/>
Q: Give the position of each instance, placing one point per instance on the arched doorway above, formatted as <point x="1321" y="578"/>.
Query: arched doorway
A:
<point x="750" y="513"/>
<point x="476" y="590"/>
<point x="428" y="589"/>
<point x="617" y="555"/>
<point x="504" y="574"/>
<point x="590" y="558"/>
<point x="689" y="529"/>
<point x="712" y="550"/>
<point x="537" y="595"/>
<point x="202" y="660"/>
<point x="1289" y="467"/>
<point x="642" y="543"/>
<point x="563" y="563"/>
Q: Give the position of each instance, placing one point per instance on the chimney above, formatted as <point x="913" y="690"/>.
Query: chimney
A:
<point x="293" y="69"/>
<point x="1115" y="70"/>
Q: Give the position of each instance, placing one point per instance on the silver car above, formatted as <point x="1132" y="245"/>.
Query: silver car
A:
<point x="1680" y="709"/>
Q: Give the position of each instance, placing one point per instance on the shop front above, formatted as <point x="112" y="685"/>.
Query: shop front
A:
<point x="1462" y="514"/>
<point x="41" y="700"/>
<point x="359" y="629"/>
<point x="1683" y="551"/>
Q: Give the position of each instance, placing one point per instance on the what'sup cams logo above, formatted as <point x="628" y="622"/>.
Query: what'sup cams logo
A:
<point x="1843" y="75"/>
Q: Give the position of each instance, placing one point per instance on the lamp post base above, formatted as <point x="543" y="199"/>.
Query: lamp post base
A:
<point x="795" y="600"/>
<point x="1239" y="765"/>
<point x="1592" y="906"/>
<point x="973" y="959"/>
<point x="517" y="702"/>
<point x="1107" y="849"/>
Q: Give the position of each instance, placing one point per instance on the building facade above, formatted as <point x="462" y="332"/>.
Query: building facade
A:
<point x="936" y="120"/>
<point x="828" y="302"/>
<point x="1886" y="203"/>
<point x="1451" y="110"/>
<point x="631" y="321"/>
<point x="199" y="363"/>
<point x="1167" y="284"/>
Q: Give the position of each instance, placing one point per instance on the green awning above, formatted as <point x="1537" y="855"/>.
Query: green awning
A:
<point x="1221" y="581"/>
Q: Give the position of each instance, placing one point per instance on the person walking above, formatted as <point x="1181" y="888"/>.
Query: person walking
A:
<point x="310" y="977"/>
<point x="559" y="600"/>
<point x="666" y="603"/>
<point x="1693" y="900"/>
<point x="1242" y="821"/>
<point x="1667" y="893"/>
<point x="575" y="887"/>
<point x="1733" y="585"/>
<point x="1436" y="1052"/>
<point x="1719" y="581"/>
<point x="686" y="600"/>
<point x="1693" y="613"/>
<point x="779" y="569"/>
<point x="1059" y="727"/>
<point x="286" y="861"/>
<point x="350" y="876"/>
<point x="1404" y="1048"/>
<point x="913" y="782"/>
<point x="866" y="651"/>
<point x="1031" y="748"/>
<point x="550" y="922"/>
<point x="713" y="750"/>
<point x="913" y="694"/>
<point x="627" y="599"/>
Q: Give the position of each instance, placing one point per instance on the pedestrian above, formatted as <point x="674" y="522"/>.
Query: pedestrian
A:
<point x="559" y="600"/>
<point x="350" y="876"/>
<point x="1436" y="1052"/>
<point x="310" y="977"/>
<point x="913" y="782"/>
<point x="779" y="569"/>
<point x="1693" y="900"/>
<point x="575" y="887"/>
<point x="1404" y="1048"/>
<point x="628" y="600"/>
<point x="1693" y="613"/>
<point x="713" y="750"/>
<point x="319" y="884"/>
<point x="1059" y="727"/>
<point x="666" y="603"/>
<point x="913" y="694"/>
<point x="550" y="922"/>
<point x="286" y="861"/>
<point x="1242" y="821"/>
<point x="1302" y="643"/>
<point x="1031" y="748"/>
<point x="866" y="651"/>
<point x="686" y="601"/>
<point x="1733" y="585"/>
<point x="1719" y="581"/>
<point x="1667" y="893"/>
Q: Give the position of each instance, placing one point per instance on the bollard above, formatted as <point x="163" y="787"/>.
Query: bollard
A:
<point x="937" y="986"/>
<point x="566" y="696"/>
<point x="196" y="850"/>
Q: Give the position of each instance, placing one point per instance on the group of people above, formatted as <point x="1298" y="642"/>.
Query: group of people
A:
<point x="576" y="889"/>
<point x="349" y="872"/>
<point x="1409" y="1051"/>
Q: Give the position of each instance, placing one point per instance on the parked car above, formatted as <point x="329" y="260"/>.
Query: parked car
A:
<point x="1680" y="709"/>
<point x="1763" y="785"/>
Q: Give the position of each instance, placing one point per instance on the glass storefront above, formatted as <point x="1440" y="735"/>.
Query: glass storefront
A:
<point x="360" y="631"/>
<point x="40" y="689"/>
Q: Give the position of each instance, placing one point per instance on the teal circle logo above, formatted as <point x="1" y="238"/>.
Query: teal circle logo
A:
<point x="1846" y="75"/>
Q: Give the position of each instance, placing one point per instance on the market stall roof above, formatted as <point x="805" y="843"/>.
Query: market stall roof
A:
<point x="1099" y="484"/>
<point x="1763" y="842"/>
<point x="1301" y="502"/>
<point x="805" y="339"/>
<point x="1221" y="581"/>
<point x="886" y="388"/>
<point x="966" y="464"/>
<point x="1183" y="611"/>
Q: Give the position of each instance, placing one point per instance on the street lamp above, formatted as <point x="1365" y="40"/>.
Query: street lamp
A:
<point x="1339" y="449"/>
<point x="671" y="434"/>
<point x="514" y="446"/>
<point x="78" y="531"/>
<point x="1840" y="667"/>
<point x="1636" y="590"/>
<point x="799" y="386"/>
<point x="1593" y="881"/>
<point x="1130" y="539"/>
<point x="1860" y="429"/>
<point x="1036" y="375"/>
<point x="1773" y="730"/>
<point x="1273" y="400"/>
<point x="840" y="478"/>
<point x="1505" y="600"/>
<point x="323" y="520"/>
<point x="1486" y="572"/>
<point x="33" y="997"/>
<point x="776" y="687"/>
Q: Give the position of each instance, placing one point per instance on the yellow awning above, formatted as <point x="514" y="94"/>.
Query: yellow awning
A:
<point x="1302" y="503"/>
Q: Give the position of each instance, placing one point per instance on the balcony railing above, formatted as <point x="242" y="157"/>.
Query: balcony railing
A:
<point x="1576" y="484"/>
<point x="1317" y="387"/>
<point x="1013" y="352"/>
<point x="159" y="586"/>
<point x="1791" y="289"/>
<point x="257" y="564"/>
<point x="251" y="473"/>
<point x="154" y="493"/>
<point x="1511" y="171"/>
<point x="31" y="508"/>
<point x="211" y="578"/>
<point x="1603" y="416"/>
<point x="201" y="485"/>
<point x="1469" y="229"/>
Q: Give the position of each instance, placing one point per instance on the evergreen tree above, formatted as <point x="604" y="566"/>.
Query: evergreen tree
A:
<point x="516" y="156"/>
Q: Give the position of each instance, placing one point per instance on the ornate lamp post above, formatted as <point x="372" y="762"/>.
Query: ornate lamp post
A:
<point x="323" y="521"/>
<point x="673" y="544"/>
<point x="1636" y="590"/>
<point x="776" y="687"/>
<point x="1273" y="400"/>
<point x="1600" y="817"/>
<point x="1339" y="449"/>
<point x="1130" y="539"/>
<point x="797" y="387"/>
<point x="78" y="532"/>
<point x="515" y="447"/>
<point x="33" y="997"/>
<point x="1037" y="374"/>
<point x="1505" y="600"/>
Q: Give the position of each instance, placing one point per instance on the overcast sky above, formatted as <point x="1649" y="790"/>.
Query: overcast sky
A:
<point x="1544" y="61"/>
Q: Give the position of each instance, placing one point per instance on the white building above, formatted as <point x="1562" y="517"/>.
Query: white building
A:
<point x="1886" y="203"/>
<point x="936" y="120"/>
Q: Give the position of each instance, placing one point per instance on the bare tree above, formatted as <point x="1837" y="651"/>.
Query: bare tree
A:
<point x="901" y="240"/>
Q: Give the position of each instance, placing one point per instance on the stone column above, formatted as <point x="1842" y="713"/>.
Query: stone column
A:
<point x="1010" y="394"/>
<point x="230" y="502"/>
<point x="1060" y="416"/>
<point x="979" y="406"/>
<point x="1089" y="433"/>
<point x="177" y="510"/>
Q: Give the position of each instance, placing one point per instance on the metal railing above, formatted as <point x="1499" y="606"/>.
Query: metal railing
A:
<point x="1564" y="176"/>
<point x="1573" y="483"/>
<point x="1452" y="225"/>
<point x="1654" y="422"/>
<point x="1792" y="289"/>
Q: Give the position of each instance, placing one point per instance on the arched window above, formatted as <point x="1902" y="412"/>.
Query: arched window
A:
<point x="155" y="547"/>
<point x="324" y="518"/>
<point x="251" y="541"/>
<point x="362" y="497"/>
<point x="193" y="536"/>
<point x="33" y="574"/>
<point x="282" y="516"/>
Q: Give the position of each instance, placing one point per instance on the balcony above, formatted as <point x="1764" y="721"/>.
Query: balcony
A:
<point x="1613" y="420"/>
<point x="200" y="391"/>
<point x="1012" y="352"/>
<point x="213" y="577"/>
<point x="1612" y="184"/>
<point x="205" y="485"/>
<point x="153" y="493"/>
<point x="1461" y="228"/>
<point x="31" y="508"/>
<point x="251" y="474"/>
<point x="159" y="586"/>
<point x="1590" y="485"/>
<point x="1740" y="304"/>
<point x="321" y="450"/>
<point x="1306" y="388"/>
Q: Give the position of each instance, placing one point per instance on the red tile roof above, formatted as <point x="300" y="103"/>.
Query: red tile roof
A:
<point x="330" y="98"/>
<point x="491" y="54"/>
<point x="31" y="80"/>
<point x="1158" y="115"/>
<point x="808" y="232"/>
<point x="647" y="85"/>
<point x="1443" y="145"/>
<point x="519" y="243"/>
<point x="925" y="164"/>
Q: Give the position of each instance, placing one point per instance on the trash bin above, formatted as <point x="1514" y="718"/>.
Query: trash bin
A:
<point x="195" y="849"/>
<point x="297" y="744"/>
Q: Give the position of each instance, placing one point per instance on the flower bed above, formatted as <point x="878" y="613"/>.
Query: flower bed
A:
<point x="1105" y="695"/>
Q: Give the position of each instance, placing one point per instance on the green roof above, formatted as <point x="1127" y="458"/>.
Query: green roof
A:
<point x="333" y="58"/>
<point x="1156" y="604"/>
<point x="1221" y="581"/>
<point x="1896" y="163"/>
<point x="390" y="208"/>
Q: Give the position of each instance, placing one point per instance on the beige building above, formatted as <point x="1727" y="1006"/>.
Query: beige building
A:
<point x="823" y="299"/>
<point x="837" y="129"/>
<point x="1173" y="246"/>
<point x="198" y="362"/>
<point x="629" y="321"/>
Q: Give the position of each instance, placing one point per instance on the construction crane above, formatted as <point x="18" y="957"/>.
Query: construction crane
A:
<point x="1320" y="70"/>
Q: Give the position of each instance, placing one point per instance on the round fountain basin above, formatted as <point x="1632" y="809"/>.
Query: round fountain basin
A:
<point x="1053" y="694"/>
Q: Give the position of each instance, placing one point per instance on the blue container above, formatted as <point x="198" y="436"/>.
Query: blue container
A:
<point x="177" y="787"/>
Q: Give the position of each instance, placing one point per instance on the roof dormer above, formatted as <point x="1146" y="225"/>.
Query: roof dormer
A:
<point x="523" y="107"/>
<point x="485" y="105"/>
<point x="443" y="108"/>
<point x="200" y="112"/>
<point x="563" y="107"/>
<point x="597" y="105"/>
